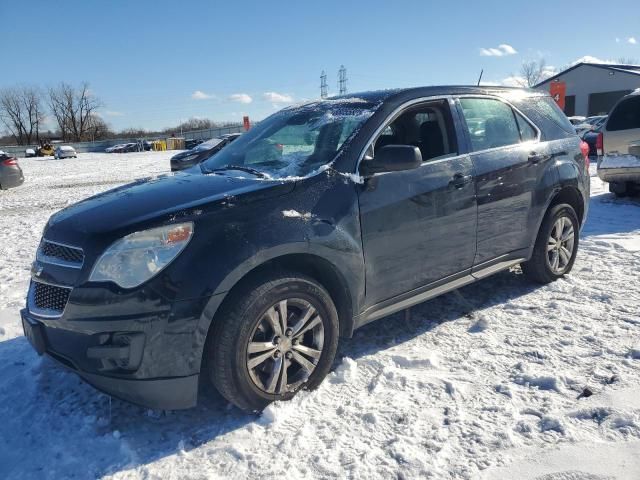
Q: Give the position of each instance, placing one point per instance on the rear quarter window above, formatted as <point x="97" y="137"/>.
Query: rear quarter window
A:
<point x="626" y="115"/>
<point x="547" y="116"/>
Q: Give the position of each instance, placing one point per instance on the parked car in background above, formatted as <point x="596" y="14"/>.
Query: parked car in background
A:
<point x="192" y="143"/>
<point x="590" y="135"/>
<point x="619" y="143"/>
<point x="10" y="172"/>
<point x="29" y="152"/>
<point x="113" y="148"/>
<point x="65" y="151"/>
<point x="590" y="124"/>
<point x="246" y="271"/>
<point x="139" y="146"/>
<point x="192" y="157"/>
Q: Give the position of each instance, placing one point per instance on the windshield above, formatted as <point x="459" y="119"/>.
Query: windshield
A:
<point x="295" y="141"/>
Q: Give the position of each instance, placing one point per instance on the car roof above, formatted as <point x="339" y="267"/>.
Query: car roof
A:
<point x="433" y="91"/>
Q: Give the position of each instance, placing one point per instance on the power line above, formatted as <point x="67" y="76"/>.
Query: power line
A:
<point x="323" y="85"/>
<point x="342" y="80"/>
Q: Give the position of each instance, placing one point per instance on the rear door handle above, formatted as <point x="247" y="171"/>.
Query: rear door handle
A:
<point x="538" y="157"/>
<point x="459" y="180"/>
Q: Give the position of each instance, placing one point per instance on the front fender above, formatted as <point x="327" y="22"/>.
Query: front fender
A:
<point x="319" y="219"/>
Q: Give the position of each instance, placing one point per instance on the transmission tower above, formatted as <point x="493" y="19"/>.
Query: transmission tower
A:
<point x="342" y="80"/>
<point x="323" y="85"/>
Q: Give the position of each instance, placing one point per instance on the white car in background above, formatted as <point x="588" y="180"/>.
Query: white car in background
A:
<point x="29" y="152"/>
<point x="591" y="123"/>
<point x="619" y="143"/>
<point x="65" y="151"/>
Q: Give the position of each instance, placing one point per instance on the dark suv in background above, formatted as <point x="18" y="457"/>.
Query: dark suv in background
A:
<point x="202" y="151"/>
<point x="324" y="217"/>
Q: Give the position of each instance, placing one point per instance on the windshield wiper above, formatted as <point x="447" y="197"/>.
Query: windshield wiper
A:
<point x="242" y="168"/>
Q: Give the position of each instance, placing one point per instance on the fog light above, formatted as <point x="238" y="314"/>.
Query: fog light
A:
<point x="121" y="351"/>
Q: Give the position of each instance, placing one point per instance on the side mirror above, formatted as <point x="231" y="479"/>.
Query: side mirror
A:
<point x="392" y="158"/>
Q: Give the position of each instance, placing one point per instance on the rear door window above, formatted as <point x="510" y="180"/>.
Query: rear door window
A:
<point x="490" y="123"/>
<point x="626" y="115"/>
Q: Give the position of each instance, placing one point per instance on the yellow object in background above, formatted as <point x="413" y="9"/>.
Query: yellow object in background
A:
<point x="159" y="145"/>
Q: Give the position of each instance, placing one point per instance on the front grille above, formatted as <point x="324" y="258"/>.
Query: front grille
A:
<point x="48" y="300"/>
<point x="51" y="252"/>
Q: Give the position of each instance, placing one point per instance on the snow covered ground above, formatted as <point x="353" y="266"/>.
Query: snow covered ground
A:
<point x="479" y="383"/>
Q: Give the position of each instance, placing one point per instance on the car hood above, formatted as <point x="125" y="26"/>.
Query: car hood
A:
<point x="158" y="200"/>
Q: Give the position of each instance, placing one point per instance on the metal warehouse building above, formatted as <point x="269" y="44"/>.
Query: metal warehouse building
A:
<point x="591" y="88"/>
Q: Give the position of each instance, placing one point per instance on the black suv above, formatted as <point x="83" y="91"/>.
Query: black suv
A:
<point x="246" y="269"/>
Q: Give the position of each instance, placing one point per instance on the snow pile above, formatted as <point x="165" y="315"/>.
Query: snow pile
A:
<point x="487" y="382"/>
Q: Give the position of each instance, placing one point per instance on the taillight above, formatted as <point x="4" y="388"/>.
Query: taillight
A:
<point x="600" y="144"/>
<point x="10" y="162"/>
<point x="584" y="148"/>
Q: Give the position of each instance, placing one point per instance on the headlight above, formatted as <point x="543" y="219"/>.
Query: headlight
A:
<point x="136" y="258"/>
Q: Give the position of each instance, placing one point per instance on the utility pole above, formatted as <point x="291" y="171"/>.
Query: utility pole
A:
<point x="323" y="85"/>
<point x="342" y="80"/>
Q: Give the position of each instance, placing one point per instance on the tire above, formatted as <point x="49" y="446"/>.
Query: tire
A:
<point x="252" y="380"/>
<point x="619" y="189"/>
<point x="540" y="267"/>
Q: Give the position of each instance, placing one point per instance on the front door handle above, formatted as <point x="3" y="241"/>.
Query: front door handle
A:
<point x="538" y="157"/>
<point x="459" y="180"/>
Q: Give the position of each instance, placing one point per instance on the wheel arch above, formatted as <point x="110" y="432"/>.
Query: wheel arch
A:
<point x="316" y="267"/>
<point x="572" y="196"/>
<point x="568" y="194"/>
<point x="311" y="265"/>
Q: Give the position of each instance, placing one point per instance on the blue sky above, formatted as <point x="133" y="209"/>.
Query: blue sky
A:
<point x="147" y="60"/>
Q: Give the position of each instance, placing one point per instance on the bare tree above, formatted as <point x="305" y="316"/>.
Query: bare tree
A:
<point x="532" y="72"/>
<point x="194" y="123"/>
<point x="628" y="61"/>
<point x="98" y="129"/>
<point x="21" y="112"/>
<point x="73" y="109"/>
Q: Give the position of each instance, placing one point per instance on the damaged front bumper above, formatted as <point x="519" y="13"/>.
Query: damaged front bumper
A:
<point x="113" y="361"/>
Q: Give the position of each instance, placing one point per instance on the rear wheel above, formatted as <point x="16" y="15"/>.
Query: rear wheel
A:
<point x="556" y="245"/>
<point x="279" y="336"/>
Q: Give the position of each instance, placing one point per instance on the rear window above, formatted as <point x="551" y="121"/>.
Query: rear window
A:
<point x="626" y="115"/>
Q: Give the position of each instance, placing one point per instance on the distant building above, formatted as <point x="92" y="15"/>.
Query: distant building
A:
<point x="593" y="88"/>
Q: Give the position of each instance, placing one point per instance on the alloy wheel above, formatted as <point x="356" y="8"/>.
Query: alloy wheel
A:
<point x="560" y="245"/>
<point x="285" y="346"/>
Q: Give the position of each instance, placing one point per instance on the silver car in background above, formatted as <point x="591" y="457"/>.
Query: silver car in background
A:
<point x="619" y="143"/>
<point x="65" y="151"/>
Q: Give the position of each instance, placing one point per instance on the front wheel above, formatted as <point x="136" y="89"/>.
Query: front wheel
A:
<point x="556" y="245"/>
<point x="278" y="335"/>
